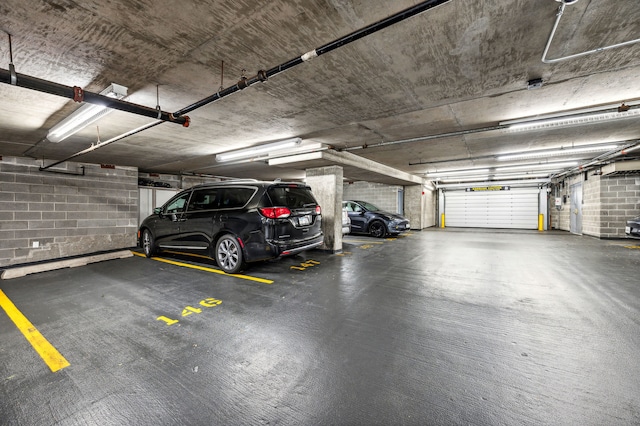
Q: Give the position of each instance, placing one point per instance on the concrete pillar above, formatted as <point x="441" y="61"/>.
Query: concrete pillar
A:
<point x="413" y="206"/>
<point x="326" y="184"/>
<point x="419" y="206"/>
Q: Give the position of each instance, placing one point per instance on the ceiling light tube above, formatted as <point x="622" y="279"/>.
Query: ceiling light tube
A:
<point x="258" y="150"/>
<point x="457" y="172"/>
<point x="85" y="115"/>
<point x="555" y="152"/>
<point x="296" y="158"/>
<point x="464" y="178"/>
<point x="545" y="123"/>
<point x="537" y="166"/>
<point x="519" y="175"/>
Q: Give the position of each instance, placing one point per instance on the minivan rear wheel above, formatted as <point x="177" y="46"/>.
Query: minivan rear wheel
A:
<point x="229" y="254"/>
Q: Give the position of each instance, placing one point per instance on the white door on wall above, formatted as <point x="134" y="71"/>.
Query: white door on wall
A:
<point x="575" y="223"/>
<point x="516" y="208"/>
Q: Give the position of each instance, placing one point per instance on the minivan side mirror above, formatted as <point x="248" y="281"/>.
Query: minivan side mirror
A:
<point x="157" y="210"/>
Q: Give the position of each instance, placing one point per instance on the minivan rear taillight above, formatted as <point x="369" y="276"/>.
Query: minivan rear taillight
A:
<point x="318" y="210"/>
<point x="275" y="212"/>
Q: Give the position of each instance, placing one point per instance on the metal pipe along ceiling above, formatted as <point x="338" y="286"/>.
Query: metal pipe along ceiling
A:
<point x="342" y="41"/>
<point x="577" y="55"/>
<point x="80" y="95"/>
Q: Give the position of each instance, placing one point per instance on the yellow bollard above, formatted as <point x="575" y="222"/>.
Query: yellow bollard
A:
<point x="540" y="222"/>
<point x="442" y="220"/>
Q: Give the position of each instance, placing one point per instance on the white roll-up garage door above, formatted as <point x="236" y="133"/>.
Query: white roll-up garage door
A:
<point x="516" y="208"/>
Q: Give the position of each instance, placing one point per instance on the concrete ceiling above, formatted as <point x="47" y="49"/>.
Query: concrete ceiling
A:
<point x="459" y="69"/>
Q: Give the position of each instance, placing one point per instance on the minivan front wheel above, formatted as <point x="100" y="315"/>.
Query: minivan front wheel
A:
<point x="148" y="245"/>
<point x="229" y="254"/>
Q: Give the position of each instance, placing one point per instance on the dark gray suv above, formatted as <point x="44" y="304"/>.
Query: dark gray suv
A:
<point x="236" y="222"/>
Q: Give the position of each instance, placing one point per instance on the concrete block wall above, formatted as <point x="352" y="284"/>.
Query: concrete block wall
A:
<point x="620" y="200"/>
<point x="177" y="181"/>
<point x="608" y="202"/>
<point x="45" y="216"/>
<point x="383" y="196"/>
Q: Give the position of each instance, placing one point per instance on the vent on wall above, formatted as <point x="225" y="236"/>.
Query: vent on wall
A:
<point x="622" y="168"/>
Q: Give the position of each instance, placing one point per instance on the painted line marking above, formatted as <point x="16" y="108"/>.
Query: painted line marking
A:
<point x="306" y="264"/>
<point x="205" y="269"/>
<point x="363" y="241"/>
<point x="47" y="352"/>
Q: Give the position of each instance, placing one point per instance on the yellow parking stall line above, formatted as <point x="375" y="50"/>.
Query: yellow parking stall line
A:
<point x="206" y="269"/>
<point x="47" y="352"/>
<point x="362" y="241"/>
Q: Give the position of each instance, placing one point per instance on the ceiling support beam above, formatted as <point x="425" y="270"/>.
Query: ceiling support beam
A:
<point x="349" y="159"/>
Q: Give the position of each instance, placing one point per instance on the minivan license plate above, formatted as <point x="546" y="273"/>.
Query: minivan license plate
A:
<point x="304" y="220"/>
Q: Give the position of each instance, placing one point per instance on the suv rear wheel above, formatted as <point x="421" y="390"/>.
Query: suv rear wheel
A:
<point x="229" y="254"/>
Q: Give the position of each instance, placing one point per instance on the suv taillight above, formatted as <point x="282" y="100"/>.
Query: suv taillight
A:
<point x="318" y="210"/>
<point x="275" y="212"/>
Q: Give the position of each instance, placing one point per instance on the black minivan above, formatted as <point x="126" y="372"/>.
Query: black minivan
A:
<point x="236" y="222"/>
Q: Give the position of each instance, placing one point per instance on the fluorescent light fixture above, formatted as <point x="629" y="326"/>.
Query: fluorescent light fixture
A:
<point x="463" y="179"/>
<point x="501" y="176"/>
<point x="521" y="171"/>
<point x="295" y="158"/>
<point x="537" y="166"/>
<point x="457" y="172"/>
<point x="255" y="151"/>
<point x="556" y="152"/>
<point x="85" y="115"/>
<point x="495" y="177"/>
<point x="535" y="123"/>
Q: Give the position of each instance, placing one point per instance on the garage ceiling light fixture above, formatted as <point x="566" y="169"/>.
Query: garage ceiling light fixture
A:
<point x="85" y="115"/>
<point x="525" y="170"/>
<point x="537" y="123"/>
<point x="493" y="176"/>
<point x="538" y="166"/>
<point x="458" y="172"/>
<point x="463" y="178"/>
<point x="556" y="152"/>
<point x="255" y="151"/>
<point x="502" y="176"/>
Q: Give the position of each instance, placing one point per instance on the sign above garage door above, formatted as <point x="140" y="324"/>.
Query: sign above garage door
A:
<point x="488" y="188"/>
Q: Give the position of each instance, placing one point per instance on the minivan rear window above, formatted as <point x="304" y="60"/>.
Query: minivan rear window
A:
<point x="291" y="196"/>
<point x="234" y="198"/>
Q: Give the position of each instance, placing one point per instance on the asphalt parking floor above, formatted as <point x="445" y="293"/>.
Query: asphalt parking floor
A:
<point x="436" y="327"/>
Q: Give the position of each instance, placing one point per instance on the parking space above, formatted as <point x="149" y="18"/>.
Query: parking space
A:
<point x="436" y="327"/>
